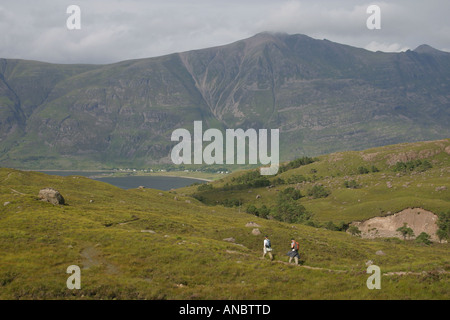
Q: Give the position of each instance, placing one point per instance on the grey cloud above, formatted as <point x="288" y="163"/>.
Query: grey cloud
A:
<point x="117" y="30"/>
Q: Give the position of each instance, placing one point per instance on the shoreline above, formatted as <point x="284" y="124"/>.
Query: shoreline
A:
<point x="113" y="174"/>
<point x="185" y="177"/>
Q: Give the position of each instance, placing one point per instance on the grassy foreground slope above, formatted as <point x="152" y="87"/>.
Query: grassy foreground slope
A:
<point x="378" y="187"/>
<point x="149" y="244"/>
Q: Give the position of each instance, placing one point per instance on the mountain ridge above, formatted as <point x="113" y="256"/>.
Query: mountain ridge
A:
<point x="323" y="96"/>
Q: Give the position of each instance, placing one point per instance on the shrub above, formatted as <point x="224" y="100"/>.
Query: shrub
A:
<point x="278" y="181"/>
<point x="296" y="178"/>
<point x="205" y="187"/>
<point x="342" y="226"/>
<point x="331" y="226"/>
<point x="199" y="197"/>
<point x="291" y="193"/>
<point x="231" y="202"/>
<point x="411" y="165"/>
<point x="423" y="238"/>
<point x="351" y="184"/>
<point x="311" y="223"/>
<point x="354" y="231"/>
<point x="443" y="225"/>
<point x="406" y="231"/>
<point x="289" y="210"/>
<point x="252" y="209"/>
<point x="363" y="170"/>
<point x="318" y="191"/>
<point x="251" y="179"/>
<point x="262" y="212"/>
<point x="296" y="164"/>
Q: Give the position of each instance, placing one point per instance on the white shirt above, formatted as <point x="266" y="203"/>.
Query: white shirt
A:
<point x="266" y="243"/>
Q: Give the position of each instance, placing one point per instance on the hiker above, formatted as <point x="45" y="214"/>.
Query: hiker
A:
<point x="267" y="248"/>
<point x="293" y="253"/>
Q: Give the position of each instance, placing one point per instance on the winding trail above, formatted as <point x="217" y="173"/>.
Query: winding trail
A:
<point x="392" y="273"/>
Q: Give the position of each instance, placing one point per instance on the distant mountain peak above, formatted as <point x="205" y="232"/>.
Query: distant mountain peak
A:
<point x="425" y="48"/>
<point x="266" y="36"/>
<point x="269" y="35"/>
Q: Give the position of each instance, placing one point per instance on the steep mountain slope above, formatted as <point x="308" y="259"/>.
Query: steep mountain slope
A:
<point x="323" y="97"/>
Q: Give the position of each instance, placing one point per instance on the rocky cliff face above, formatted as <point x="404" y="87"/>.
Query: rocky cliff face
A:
<point x="419" y="220"/>
<point x="323" y="97"/>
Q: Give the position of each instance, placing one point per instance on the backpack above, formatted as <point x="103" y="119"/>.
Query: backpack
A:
<point x="296" y="246"/>
<point x="268" y="245"/>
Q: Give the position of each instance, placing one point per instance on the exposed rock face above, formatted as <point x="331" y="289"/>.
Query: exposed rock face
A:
<point x="256" y="232"/>
<point x="51" y="195"/>
<point x="252" y="224"/>
<point x="418" y="219"/>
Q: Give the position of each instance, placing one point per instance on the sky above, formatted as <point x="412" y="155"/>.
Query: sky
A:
<point x="117" y="30"/>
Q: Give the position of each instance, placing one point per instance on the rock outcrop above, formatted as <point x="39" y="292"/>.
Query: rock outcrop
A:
<point x="419" y="220"/>
<point x="51" y="195"/>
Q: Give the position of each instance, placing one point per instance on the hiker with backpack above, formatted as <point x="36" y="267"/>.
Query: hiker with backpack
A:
<point x="267" y="248"/>
<point x="293" y="253"/>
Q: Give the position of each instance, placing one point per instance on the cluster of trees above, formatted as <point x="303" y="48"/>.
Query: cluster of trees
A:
<point x="286" y="209"/>
<point x="262" y="212"/>
<point x="330" y="225"/>
<point x="443" y="223"/>
<point x="230" y="202"/>
<point x="364" y="170"/>
<point x="318" y="191"/>
<point x="351" y="184"/>
<point x="443" y="232"/>
<point x="296" y="164"/>
<point x="293" y="179"/>
<point x="407" y="232"/>
<point x="413" y="165"/>
<point x="204" y="187"/>
<point x="251" y="179"/>
<point x="296" y="178"/>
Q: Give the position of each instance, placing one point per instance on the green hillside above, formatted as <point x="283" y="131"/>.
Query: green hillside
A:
<point x="358" y="184"/>
<point x="149" y="244"/>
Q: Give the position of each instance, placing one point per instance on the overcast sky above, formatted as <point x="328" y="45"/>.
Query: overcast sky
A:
<point x="116" y="30"/>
